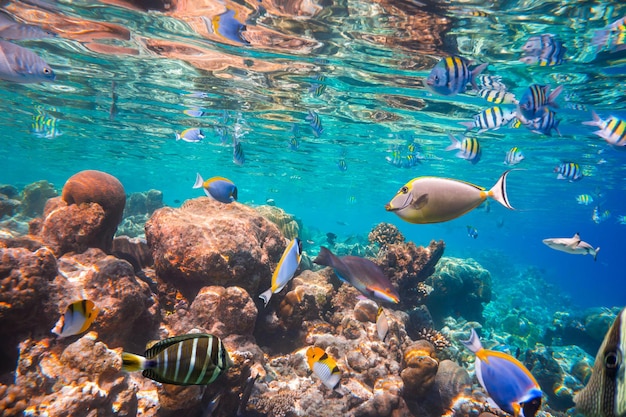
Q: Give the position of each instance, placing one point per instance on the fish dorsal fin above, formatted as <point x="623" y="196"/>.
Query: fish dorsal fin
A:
<point x="161" y="345"/>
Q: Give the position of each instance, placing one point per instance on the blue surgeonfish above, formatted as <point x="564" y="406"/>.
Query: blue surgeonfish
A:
<point x="451" y="75"/>
<point x="189" y="359"/>
<point x="572" y="245"/>
<point x="605" y="393"/>
<point x="218" y="188"/>
<point x="192" y="135"/>
<point x="506" y="380"/>
<point x="285" y="269"/>
<point x="433" y="200"/>
<point x="21" y="65"/>
<point x="324" y="366"/>
<point x="361" y="273"/>
<point x="77" y="318"/>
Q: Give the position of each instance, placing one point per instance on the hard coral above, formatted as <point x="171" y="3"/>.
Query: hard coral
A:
<point x="385" y="234"/>
<point x="285" y="222"/>
<point x="436" y="338"/>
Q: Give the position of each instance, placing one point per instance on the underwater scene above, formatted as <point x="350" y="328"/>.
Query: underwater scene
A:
<point x="313" y="208"/>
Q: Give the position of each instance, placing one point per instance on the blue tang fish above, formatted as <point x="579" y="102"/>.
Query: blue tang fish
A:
<point x="451" y="75"/>
<point x="285" y="269"/>
<point x="507" y="381"/>
<point x="218" y="188"/>
<point x="361" y="273"/>
<point x="21" y="65"/>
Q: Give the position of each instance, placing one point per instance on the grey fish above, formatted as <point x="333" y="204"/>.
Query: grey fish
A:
<point x="361" y="273"/>
<point x="189" y="359"/>
<point x="605" y="393"/>
<point x="572" y="245"/>
<point x="12" y="30"/>
<point x="21" y="65"/>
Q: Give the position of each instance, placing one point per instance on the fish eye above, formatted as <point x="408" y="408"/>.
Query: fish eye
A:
<point x="611" y="360"/>
<point x="47" y="71"/>
<point x="404" y="189"/>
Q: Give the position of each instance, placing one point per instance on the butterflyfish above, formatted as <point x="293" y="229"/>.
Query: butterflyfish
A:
<point x="605" y="393"/>
<point x="218" y="188"/>
<point x="506" y="380"/>
<point x="189" y="359"/>
<point x="77" y="318"/>
<point x="433" y="199"/>
<point x="361" y="273"/>
<point x="285" y="269"/>
<point x="323" y="366"/>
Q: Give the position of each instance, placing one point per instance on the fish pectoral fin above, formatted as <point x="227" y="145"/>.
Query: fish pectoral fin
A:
<point x="421" y="201"/>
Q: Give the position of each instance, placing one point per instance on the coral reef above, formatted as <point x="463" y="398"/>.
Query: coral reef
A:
<point x="34" y="198"/>
<point x="384" y="234"/>
<point x="143" y="203"/>
<point x="287" y="224"/>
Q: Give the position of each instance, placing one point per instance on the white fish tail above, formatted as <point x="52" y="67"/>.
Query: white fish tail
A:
<point x="266" y="296"/>
<point x="498" y="191"/>
<point x="178" y="137"/>
<point x="199" y="181"/>
<point x="596" y="120"/>
<point x="473" y="343"/>
<point x="595" y="255"/>
<point x="456" y="144"/>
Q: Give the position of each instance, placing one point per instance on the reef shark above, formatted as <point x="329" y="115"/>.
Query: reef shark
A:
<point x="572" y="245"/>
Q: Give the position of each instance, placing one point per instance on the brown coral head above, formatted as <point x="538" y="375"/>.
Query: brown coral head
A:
<point x="385" y="234"/>
<point x="436" y="338"/>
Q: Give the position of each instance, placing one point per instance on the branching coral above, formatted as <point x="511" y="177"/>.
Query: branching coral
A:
<point x="385" y="234"/>
<point x="436" y="338"/>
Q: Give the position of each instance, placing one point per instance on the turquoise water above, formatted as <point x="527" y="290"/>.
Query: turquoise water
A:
<point x="150" y="66"/>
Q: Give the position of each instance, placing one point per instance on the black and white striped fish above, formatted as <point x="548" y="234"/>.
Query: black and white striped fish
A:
<point x="496" y="96"/>
<point x="491" y="119"/>
<point x="545" y="123"/>
<point x="189" y="359"/>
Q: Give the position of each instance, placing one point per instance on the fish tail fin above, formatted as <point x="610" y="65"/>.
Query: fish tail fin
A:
<point x="475" y="72"/>
<point x="473" y="343"/>
<point x="553" y="95"/>
<point x="178" y="137"/>
<point x="325" y="257"/>
<point x="199" y="181"/>
<point x="595" y="255"/>
<point x="468" y="125"/>
<point x="265" y="296"/>
<point x="456" y="144"/>
<point x="132" y="362"/>
<point x="498" y="191"/>
<point x="596" y="120"/>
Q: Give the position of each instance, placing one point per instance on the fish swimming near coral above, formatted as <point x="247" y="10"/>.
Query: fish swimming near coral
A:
<point x="189" y="359"/>
<point x="77" y="318"/>
<point x="323" y="366"/>
<point x="507" y="381"/>
<point x="472" y="232"/>
<point x="433" y="200"/>
<point x="572" y="245"/>
<point x="382" y="324"/>
<point x="21" y="65"/>
<point x="361" y="273"/>
<point x="451" y="75"/>
<point x="218" y="188"/>
<point x="605" y="393"/>
<point x="285" y="269"/>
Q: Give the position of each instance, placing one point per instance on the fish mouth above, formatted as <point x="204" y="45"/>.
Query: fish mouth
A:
<point x="388" y="207"/>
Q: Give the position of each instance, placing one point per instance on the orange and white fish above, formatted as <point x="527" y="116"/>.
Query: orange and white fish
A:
<point x="77" y="318"/>
<point x="324" y="366"/>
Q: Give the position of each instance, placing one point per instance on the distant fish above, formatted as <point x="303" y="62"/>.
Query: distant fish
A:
<point x="584" y="199"/>
<point x="21" y="65"/>
<point x="315" y="122"/>
<point x="569" y="171"/>
<point x="239" y="158"/>
<point x="621" y="219"/>
<point x="45" y="126"/>
<point x="472" y="232"/>
<point x="469" y="148"/>
<point x="497" y="96"/>
<point x="544" y="50"/>
<point x="218" y="188"/>
<point x="491" y="119"/>
<point x="599" y="217"/>
<point x="545" y="123"/>
<point x="189" y="359"/>
<point x="285" y="269"/>
<point x="505" y="379"/>
<point x="535" y="99"/>
<point x="342" y="165"/>
<point x="190" y="135"/>
<point x="331" y="238"/>
<point x="318" y="87"/>
<point x="572" y="245"/>
<point x="605" y="393"/>
<point x="323" y="366"/>
<point x="432" y="199"/>
<point x="514" y="156"/>
<point x="612" y="37"/>
<point x="491" y="82"/>
<point x="12" y="30"/>
<point x="361" y="273"/>
<point x="195" y="112"/>
<point x="382" y="325"/>
<point x="294" y="143"/>
<point x="451" y="75"/>
<point x="612" y="130"/>
<point x="77" y="318"/>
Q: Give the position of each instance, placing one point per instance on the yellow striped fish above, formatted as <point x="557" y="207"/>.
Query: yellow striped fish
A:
<point x="77" y="319"/>
<point x="612" y="130"/>
<point x="469" y="148"/>
<point x="497" y="96"/>
<point x="323" y="366"/>
<point x="491" y="119"/>
<point x="189" y="359"/>
<point x="451" y="75"/>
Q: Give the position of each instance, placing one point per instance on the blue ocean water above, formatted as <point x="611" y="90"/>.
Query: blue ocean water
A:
<point x="129" y="75"/>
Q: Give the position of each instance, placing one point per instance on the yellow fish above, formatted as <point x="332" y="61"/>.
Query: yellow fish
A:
<point x="323" y="366"/>
<point x="77" y="318"/>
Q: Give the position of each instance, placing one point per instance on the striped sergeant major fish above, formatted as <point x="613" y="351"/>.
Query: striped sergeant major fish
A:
<point x="545" y="50"/>
<point x="469" y="148"/>
<point x="612" y="36"/>
<point x="188" y="359"/>
<point x="491" y="119"/>
<point x="315" y="122"/>
<point x="545" y="123"/>
<point x="605" y="393"/>
<point x="451" y="75"/>
<point x="491" y="82"/>
<point x="612" y="130"/>
<point x="514" y="156"/>
<point x="496" y="96"/>
<point x="535" y="99"/>
<point x="568" y="171"/>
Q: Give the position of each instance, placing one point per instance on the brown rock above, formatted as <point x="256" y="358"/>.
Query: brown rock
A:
<point x="420" y="369"/>
<point x="451" y="381"/>
<point x="206" y="242"/>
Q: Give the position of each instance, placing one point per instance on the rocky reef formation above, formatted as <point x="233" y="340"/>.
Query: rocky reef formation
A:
<point x="288" y="225"/>
<point x="139" y="208"/>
